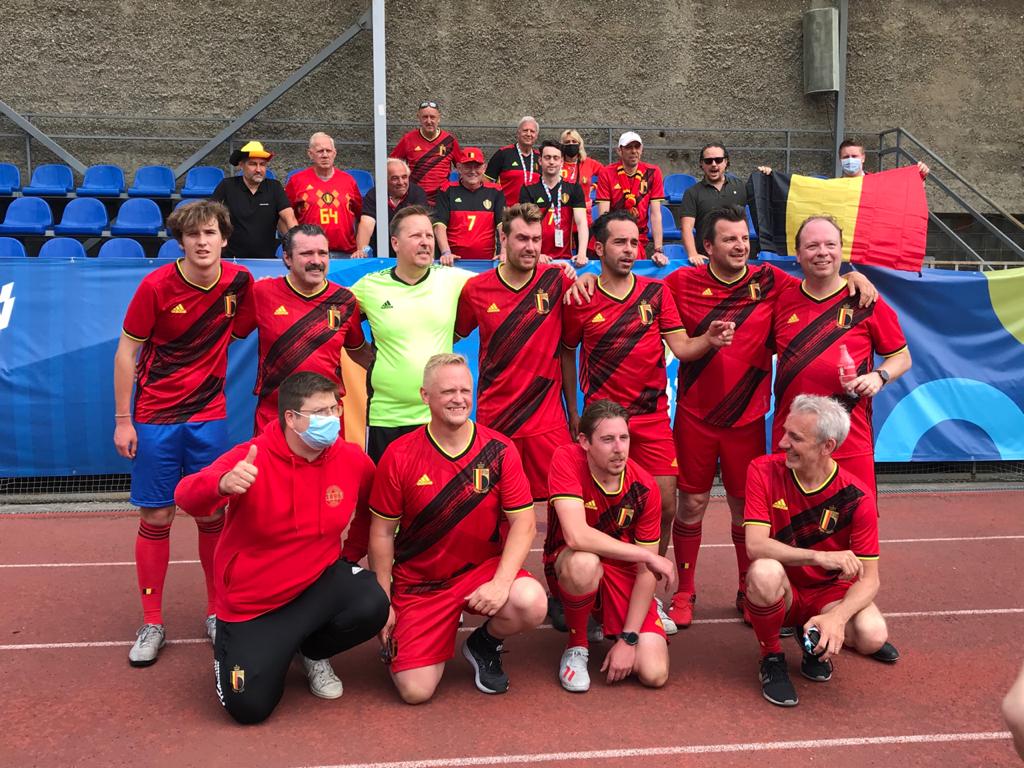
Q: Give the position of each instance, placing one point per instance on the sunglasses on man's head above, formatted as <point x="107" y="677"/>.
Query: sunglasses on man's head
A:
<point x="712" y="160"/>
<point x="431" y="104"/>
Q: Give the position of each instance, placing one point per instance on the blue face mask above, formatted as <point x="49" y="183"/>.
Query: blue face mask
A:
<point x="852" y="165"/>
<point x="322" y="432"/>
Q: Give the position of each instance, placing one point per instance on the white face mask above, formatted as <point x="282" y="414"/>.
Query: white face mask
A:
<point x="852" y="165"/>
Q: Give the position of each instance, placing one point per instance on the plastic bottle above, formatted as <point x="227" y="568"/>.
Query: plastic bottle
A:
<point x="847" y="368"/>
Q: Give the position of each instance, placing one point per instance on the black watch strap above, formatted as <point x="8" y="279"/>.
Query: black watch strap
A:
<point x="630" y="638"/>
<point x="883" y="375"/>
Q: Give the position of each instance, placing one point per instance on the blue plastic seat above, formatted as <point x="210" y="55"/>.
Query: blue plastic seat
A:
<point x="292" y="173"/>
<point x="52" y="179"/>
<point x="83" y="216"/>
<point x="669" y="229"/>
<point x="750" y="225"/>
<point x="152" y="181"/>
<point x="186" y="201"/>
<point x="27" y="216"/>
<point x="62" y="248"/>
<point x="11" y="248"/>
<point x="363" y="179"/>
<point x="453" y="177"/>
<point x="10" y="178"/>
<point x="676" y="185"/>
<point x="122" y="248"/>
<point x="675" y="252"/>
<point x="137" y="216"/>
<point x="201" y="181"/>
<point x="770" y="256"/>
<point x="170" y="249"/>
<point x="105" y="180"/>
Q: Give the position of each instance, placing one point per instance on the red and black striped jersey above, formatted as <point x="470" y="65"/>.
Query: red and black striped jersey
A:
<point x="470" y="218"/>
<point x="449" y="508"/>
<point x="298" y="333"/>
<point x="729" y="386"/>
<point x="623" y="355"/>
<point x="632" y="192"/>
<point x="808" y="333"/>
<point x="431" y="161"/>
<point x="839" y="516"/>
<point x="512" y="171"/>
<point x="519" y="389"/>
<point x="185" y="329"/>
<point x="558" y="204"/>
<point x="632" y="513"/>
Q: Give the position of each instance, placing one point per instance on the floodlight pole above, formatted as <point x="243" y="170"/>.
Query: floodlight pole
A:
<point x="841" y="93"/>
<point x="380" y="128"/>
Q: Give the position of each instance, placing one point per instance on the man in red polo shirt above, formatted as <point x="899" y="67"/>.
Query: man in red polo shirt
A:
<point x="636" y="187"/>
<point x="514" y="166"/>
<point x="467" y="214"/>
<point x="429" y="150"/>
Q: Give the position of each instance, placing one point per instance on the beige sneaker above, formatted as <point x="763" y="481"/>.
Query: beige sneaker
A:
<point x="322" y="680"/>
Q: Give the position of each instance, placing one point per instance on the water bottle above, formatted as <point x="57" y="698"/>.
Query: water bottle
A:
<point x="847" y="368"/>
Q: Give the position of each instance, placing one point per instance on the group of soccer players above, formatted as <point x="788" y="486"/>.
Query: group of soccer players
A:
<point x="448" y="515"/>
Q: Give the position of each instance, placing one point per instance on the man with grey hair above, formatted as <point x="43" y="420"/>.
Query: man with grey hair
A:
<point x="812" y="536"/>
<point x="327" y="196"/>
<point x="517" y="165"/>
<point x="401" y="193"/>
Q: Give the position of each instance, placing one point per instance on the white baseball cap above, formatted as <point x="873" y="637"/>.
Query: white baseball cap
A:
<point x="629" y="137"/>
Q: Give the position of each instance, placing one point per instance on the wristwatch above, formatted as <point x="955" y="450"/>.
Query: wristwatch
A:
<point x="883" y="375"/>
<point x="630" y="638"/>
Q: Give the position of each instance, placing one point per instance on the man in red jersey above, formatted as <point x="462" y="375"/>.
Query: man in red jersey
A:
<point x="284" y="582"/>
<point x="636" y="187"/>
<point x="812" y="534"/>
<point x="622" y="331"/>
<point x="303" y="320"/>
<point x="174" y="348"/>
<point x="814" y="321"/>
<point x="563" y="205"/>
<point x="429" y="150"/>
<point x="722" y="397"/>
<point x="514" y="166"/>
<point x="467" y="214"/>
<point x="602" y="537"/>
<point x="327" y="196"/>
<point x="445" y="488"/>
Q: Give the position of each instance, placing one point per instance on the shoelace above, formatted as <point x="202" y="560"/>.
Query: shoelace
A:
<point x="771" y="668"/>
<point x="322" y="673"/>
<point x="492" y="658"/>
<point x="577" y="652"/>
<point x="149" y="634"/>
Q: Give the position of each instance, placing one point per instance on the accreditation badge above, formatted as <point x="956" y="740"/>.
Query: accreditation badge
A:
<point x="559" y="238"/>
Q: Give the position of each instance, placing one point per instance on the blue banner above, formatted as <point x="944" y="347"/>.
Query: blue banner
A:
<point x="60" y="322"/>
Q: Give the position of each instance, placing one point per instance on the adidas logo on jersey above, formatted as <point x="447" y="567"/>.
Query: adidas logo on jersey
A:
<point x="707" y="292"/>
<point x="793" y="319"/>
<point x="424" y="480"/>
<point x="598" y="318"/>
<point x="781" y="504"/>
<point x="458" y="199"/>
<point x="417" y="148"/>
<point x="591" y="504"/>
<point x="280" y="311"/>
<point x="493" y="308"/>
<point x="675" y="462"/>
<point x="540" y="201"/>
<point x="386" y="305"/>
<point x="179" y="309"/>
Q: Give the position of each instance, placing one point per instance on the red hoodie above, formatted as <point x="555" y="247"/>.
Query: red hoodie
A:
<point x="282" y="533"/>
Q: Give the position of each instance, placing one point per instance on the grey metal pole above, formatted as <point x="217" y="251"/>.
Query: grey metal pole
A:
<point x="380" y="127"/>
<point x="844" y="8"/>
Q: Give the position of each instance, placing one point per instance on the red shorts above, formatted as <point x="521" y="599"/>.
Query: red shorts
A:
<point x="701" y="446"/>
<point x="612" y="604"/>
<point x="651" y="445"/>
<point x="426" y="622"/>
<point x="536" y="451"/>
<point x="811" y="601"/>
<point x="862" y="467"/>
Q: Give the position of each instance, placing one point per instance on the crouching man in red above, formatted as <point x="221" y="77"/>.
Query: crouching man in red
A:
<point x="283" y="583"/>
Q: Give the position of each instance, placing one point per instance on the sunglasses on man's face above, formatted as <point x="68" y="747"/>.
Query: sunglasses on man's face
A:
<point x="431" y="104"/>
<point x="712" y="160"/>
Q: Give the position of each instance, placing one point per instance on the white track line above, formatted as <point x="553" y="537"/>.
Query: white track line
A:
<point x="694" y="749"/>
<point x="737" y="620"/>
<point x="88" y="565"/>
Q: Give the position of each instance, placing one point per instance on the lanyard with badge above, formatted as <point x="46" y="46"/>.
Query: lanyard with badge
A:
<point x="556" y="208"/>
<point x="522" y="167"/>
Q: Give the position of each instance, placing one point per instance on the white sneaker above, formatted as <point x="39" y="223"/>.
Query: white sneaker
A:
<point x="211" y="628"/>
<point x="666" y="621"/>
<point x="322" y="680"/>
<point x="147" y="645"/>
<point x="573" y="673"/>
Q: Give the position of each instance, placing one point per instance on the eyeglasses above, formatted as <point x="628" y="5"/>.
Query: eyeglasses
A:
<point x="431" y="104"/>
<point x="332" y="410"/>
<point x="712" y="160"/>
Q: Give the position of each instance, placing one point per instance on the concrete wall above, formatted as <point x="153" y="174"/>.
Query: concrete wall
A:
<point x="949" y="72"/>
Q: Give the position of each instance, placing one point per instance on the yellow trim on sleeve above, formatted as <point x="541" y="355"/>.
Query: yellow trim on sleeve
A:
<point x="893" y="354"/>
<point x="356" y="349"/>
<point x="867" y="557"/>
<point x="757" y="522"/>
<point x="517" y="510"/>
<point x="672" y="330"/>
<point x="647" y="543"/>
<point x="566" y="496"/>
<point x="382" y="516"/>
<point x="134" y="338"/>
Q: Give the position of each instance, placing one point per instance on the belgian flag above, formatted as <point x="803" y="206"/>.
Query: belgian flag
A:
<point x="884" y="216"/>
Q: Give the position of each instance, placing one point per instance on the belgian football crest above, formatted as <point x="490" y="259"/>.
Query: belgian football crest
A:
<point x="845" y="317"/>
<point x="565" y="198"/>
<point x="487" y="205"/>
<point x="543" y="302"/>
<point x="441" y="149"/>
<point x="625" y="517"/>
<point x="755" y="290"/>
<point x="643" y="186"/>
<point x="333" y="317"/>
<point x="481" y="479"/>
<point x="230" y="304"/>
<point x="646" y="312"/>
<point x="829" y="519"/>
<point x="238" y="679"/>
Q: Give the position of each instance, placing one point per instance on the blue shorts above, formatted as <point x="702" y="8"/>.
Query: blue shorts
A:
<point x="168" y="452"/>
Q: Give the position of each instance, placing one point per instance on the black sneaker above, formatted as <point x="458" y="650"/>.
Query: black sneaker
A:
<point x="887" y="653"/>
<point x="556" y="614"/>
<point x="813" y="668"/>
<point x="485" y="657"/>
<point x="595" y="632"/>
<point x="775" y="683"/>
<point x="787" y="632"/>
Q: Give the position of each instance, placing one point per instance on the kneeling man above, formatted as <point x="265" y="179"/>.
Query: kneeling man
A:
<point x="812" y="534"/>
<point x="604" y="523"/>
<point x="282" y="584"/>
<point x="444" y="487"/>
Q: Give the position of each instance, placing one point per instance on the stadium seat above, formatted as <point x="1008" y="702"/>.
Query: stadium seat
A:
<point x="669" y="229"/>
<point x="122" y="248"/>
<point x="453" y="177"/>
<point x="27" y="216"/>
<point x="62" y="248"/>
<point x="152" y="181"/>
<point x="364" y="179"/>
<point x="10" y="179"/>
<point x="675" y="251"/>
<point x="594" y="212"/>
<point x="11" y="248"/>
<point x="83" y="216"/>
<point x="201" y="181"/>
<point x="770" y="256"/>
<point x="676" y="185"/>
<point x="50" y="179"/>
<point x="137" y="216"/>
<point x="105" y="180"/>
<point x="171" y="249"/>
<point x="750" y="225"/>
<point x="186" y="201"/>
<point x="292" y="173"/>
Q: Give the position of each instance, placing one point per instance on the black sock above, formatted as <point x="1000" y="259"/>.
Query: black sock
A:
<point x="488" y="637"/>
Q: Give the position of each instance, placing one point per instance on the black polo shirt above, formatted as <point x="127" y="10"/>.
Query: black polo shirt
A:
<point x="702" y="198"/>
<point x="254" y="217"/>
<point x="415" y="196"/>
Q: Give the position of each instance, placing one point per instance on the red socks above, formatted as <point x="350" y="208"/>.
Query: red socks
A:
<point x="739" y="543"/>
<point x="577" y="611"/>
<point x="152" y="553"/>
<point x="767" y="622"/>
<point x="209" y="535"/>
<point x="686" y="543"/>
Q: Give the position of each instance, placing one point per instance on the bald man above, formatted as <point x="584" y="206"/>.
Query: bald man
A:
<point x="402" y="192"/>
